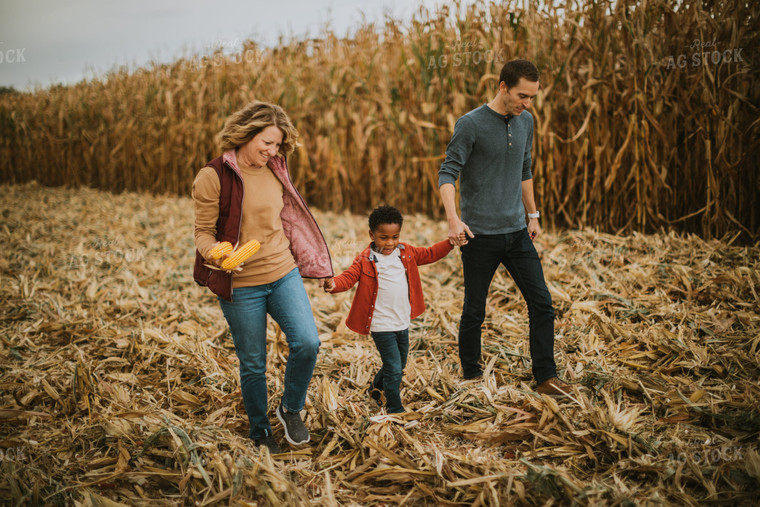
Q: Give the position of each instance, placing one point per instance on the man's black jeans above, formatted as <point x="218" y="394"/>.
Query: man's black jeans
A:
<point x="481" y="257"/>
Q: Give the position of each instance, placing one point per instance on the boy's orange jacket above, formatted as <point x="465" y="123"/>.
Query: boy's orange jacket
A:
<point x="364" y="271"/>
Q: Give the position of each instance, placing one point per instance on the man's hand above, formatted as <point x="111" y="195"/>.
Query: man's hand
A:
<point x="534" y="229"/>
<point x="458" y="232"/>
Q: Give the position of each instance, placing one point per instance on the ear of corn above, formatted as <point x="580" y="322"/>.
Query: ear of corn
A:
<point x="220" y="250"/>
<point x="241" y="254"/>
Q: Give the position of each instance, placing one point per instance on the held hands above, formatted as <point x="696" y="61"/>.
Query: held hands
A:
<point x="458" y="232"/>
<point x="327" y="284"/>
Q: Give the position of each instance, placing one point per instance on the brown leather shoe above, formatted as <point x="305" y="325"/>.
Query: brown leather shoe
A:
<point x="554" y="387"/>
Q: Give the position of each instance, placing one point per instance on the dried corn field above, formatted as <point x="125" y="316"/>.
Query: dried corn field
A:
<point x="638" y="125"/>
<point x="120" y="384"/>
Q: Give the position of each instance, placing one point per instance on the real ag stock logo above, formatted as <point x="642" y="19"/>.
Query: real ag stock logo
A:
<point x="703" y="53"/>
<point x="702" y="453"/>
<point x="225" y="51"/>
<point x="466" y="53"/>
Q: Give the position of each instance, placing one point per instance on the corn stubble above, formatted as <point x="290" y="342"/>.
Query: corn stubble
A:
<point x="120" y="382"/>
<point x="623" y="140"/>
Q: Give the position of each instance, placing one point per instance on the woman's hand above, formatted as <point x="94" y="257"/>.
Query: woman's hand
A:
<point x="327" y="283"/>
<point x="217" y="263"/>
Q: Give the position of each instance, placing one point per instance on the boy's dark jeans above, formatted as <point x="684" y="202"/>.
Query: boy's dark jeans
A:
<point x="481" y="257"/>
<point x="394" y="349"/>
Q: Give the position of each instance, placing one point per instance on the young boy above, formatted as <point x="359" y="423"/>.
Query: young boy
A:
<point x="388" y="297"/>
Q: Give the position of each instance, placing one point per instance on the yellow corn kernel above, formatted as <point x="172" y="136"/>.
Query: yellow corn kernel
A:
<point x="220" y="249"/>
<point x="241" y="254"/>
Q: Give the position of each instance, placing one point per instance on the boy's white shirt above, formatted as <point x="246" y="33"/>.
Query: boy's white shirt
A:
<point x="392" y="308"/>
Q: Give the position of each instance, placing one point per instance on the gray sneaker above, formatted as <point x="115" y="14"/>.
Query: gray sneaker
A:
<point x="295" y="432"/>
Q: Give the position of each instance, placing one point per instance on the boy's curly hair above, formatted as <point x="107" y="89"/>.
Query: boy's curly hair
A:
<point x="384" y="215"/>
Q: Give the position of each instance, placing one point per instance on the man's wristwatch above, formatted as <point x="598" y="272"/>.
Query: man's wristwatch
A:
<point x="534" y="215"/>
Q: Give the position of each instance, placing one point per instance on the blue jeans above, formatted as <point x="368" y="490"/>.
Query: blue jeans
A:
<point x="481" y="257"/>
<point x="394" y="349"/>
<point x="286" y="301"/>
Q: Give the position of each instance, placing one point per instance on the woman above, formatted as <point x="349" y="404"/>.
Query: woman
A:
<point x="247" y="194"/>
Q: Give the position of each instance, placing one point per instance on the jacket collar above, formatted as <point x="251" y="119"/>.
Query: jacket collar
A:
<point x="372" y="255"/>
<point x="230" y="158"/>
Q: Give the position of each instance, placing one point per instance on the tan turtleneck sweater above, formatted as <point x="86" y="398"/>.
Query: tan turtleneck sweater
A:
<point x="262" y="204"/>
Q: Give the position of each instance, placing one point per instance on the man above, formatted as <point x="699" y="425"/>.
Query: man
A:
<point x="490" y="154"/>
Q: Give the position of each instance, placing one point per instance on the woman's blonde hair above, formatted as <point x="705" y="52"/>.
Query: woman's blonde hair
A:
<point x="243" y="125"/>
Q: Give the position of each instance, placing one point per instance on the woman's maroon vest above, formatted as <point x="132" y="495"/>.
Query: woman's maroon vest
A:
<point x="227" y="229"/>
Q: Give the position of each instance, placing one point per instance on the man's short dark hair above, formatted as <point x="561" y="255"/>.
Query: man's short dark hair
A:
<point x="384" y="215"/>
<point x="516" y="69"/>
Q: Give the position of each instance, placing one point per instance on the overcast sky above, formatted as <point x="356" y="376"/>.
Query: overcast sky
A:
<point x="52" y="41"/>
